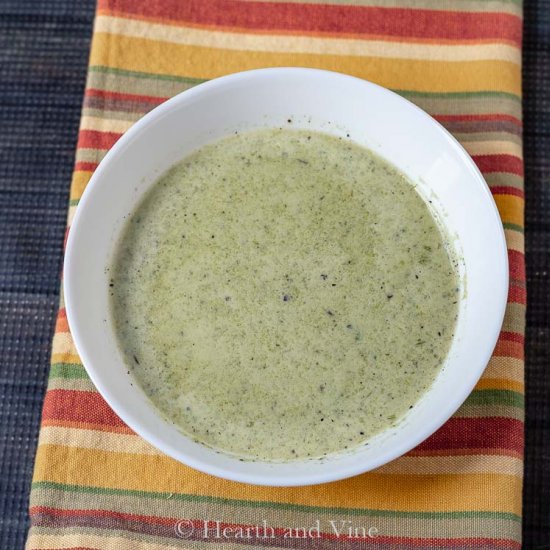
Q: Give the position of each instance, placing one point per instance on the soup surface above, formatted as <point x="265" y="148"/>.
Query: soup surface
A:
<point x="283" y="294"/>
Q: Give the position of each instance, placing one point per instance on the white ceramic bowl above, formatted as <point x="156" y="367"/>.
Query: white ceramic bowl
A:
<point x="319" y="100"/>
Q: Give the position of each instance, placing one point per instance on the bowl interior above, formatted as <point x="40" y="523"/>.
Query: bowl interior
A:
<point x="318" y="100"/>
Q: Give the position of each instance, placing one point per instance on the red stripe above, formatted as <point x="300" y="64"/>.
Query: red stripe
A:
<point x="331" y="18"/>
<point x="92" y="139"/>
<point x="505" y="348"/>
<point x="67" y="229"/>
<point x="516" y="262"/>
<point x="93" y="92"/>
<point x="85" y="166"/>
<point x="79" y="406"/>
<point x="512" y="337"/>
<point x="483" y="433"/>
<point x="476" y="118"/>
<point x="499" y="163"/>
<point x="101" y="513"/>
<point x="507" y="190"/>
<point x="517" y="294"/>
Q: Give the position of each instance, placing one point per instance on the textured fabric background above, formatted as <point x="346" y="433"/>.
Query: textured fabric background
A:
<point x="98" y="485"/>
<point x="41" y="42"/>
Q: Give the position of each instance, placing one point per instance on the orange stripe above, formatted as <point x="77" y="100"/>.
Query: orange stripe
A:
<point x="509" y="206"/>
<point x="61" y="325"/>
<point x="499" y="384"/>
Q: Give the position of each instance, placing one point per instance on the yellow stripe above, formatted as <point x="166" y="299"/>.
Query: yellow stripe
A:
<point x="63" y="345"/>
<point x="150" y="56"/>
<point x="515" y="240"/>
<point x="85" y="154"/>
<point x="93" y="439"/>
<point x="132" y="116"/>
<point x="505" y="367"/>
<point x="490" y="411"/>
<point x="514" y="319"/>
<point x="75" y="466"/>
<point x="499" y="384"/>
<point x="493" y="148"/>
<point x="63" y="539"/>
<point x="60" y="357"/>
<point x="510" y="208"/>
<point x="71" y="213"/>
<point x="73" y="384"/>
<point x="79" y="182"/>
<point x="105" y="124"/>
<point x="304" y="44"/>
<point x="469" y="464"/>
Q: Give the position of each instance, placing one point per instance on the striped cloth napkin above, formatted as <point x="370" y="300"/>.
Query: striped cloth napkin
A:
<point x="97" y="485"/>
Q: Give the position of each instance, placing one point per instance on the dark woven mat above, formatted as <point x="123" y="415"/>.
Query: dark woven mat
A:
<point x="43" y="56"/>
<point x="536" y="108"/>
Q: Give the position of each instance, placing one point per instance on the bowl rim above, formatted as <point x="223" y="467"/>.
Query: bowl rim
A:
<point x="131" y="419"/>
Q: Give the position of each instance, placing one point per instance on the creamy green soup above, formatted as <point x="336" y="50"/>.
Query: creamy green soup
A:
<point x="283" y="294"/>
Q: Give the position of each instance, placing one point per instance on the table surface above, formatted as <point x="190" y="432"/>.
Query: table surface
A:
<point x="44" y="46"/>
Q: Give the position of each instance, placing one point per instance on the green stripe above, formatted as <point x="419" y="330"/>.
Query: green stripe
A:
<point x="67" y="370"/>
<point x="459" y="95"/>
<point x="406" y="93"/>
<point x="276" y="505"/>
<point x="496" y="397"/>
<point x="136" y="74"/>
<point x="513" y="227"/>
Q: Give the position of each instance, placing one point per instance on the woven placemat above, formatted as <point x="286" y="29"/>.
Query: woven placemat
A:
<point x="43" y="58"/>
